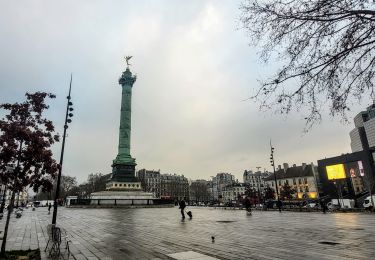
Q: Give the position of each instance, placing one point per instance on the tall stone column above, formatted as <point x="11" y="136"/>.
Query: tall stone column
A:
<point x="123" y="166"/>
<point x="126" y="81"/>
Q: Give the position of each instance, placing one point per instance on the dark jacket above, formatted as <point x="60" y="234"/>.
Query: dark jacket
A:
<point x="247" y="203"/>
<point x="182" y="204"/>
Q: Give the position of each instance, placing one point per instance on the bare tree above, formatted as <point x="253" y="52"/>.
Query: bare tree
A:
<point x="67" y="183"/>
<point x="326" y="51"/>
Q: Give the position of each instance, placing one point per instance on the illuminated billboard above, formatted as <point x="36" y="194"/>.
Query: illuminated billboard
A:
<point x="335" y="172"/>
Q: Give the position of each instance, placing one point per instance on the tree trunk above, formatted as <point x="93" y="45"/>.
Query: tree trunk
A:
<point x="18" y="199"/>
<point x="3" y="201"/>
<point x="10" y="209"/>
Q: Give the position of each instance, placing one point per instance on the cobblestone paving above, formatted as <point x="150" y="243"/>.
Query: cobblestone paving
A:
<point x="159" y="232"/>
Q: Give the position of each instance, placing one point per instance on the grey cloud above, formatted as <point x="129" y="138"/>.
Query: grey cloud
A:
<point x="194" y="69"/>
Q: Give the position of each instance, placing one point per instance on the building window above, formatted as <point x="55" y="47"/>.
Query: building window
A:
<point x="294" y="181"/>
<point x="279" y="183"/>
<point x="299" y="181"/>
<point x="120" y="185"/>
<point x="286" y="182"/>
<point x="307" y="189"/>
<point x="115" y="184"/>
<point x="305" y="179"/>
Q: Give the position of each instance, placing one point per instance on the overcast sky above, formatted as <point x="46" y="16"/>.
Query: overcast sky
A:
<point x="194" y="67"/>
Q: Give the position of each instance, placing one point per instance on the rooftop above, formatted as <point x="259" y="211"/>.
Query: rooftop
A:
<point x="292" y="172"/>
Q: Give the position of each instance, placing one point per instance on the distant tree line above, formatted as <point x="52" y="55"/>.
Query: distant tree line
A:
<point x="70" y="187"/>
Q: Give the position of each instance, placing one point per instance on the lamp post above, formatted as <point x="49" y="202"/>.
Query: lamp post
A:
<point x="258" y="182"/>
<point x="68" y="114"/>
<point x="213" y="195"/>
<point x="272" y="161"/>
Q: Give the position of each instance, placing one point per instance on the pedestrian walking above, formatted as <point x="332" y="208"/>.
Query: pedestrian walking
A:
<point x="279" y="205"/>
<point x="182" y="207"/>
<point x="248" y="205"/>
<point x="49" y="208"/>
<point x="323" y="205"/>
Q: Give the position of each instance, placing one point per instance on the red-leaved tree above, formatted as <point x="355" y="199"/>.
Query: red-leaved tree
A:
<point x="26" y="158"/>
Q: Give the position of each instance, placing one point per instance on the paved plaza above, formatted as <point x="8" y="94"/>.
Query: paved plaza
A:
<point x="159" y="233"/>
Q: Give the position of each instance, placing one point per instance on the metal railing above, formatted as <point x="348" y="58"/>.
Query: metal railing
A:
<point x="120" y="202"/>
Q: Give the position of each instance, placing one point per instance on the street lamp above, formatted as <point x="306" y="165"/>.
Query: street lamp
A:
<point x="272" y="161"/>
<point x="212" y="185"/>
<point x="68" y="115"/>
<point x="258" y="182"/>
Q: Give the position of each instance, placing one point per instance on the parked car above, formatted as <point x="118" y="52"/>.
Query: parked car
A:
<point x="340" y="203"/>
<point x="311" y="205"/>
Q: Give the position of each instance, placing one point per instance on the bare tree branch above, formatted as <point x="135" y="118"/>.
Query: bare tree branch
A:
<point x="327" y="45"/>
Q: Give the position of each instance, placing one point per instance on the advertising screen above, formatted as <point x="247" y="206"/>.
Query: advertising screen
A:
<point x="354" y="169"/>
<point x="335" y="172"/>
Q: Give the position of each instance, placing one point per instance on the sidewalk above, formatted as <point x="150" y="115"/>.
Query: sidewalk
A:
<point x="29" y="231"/>
<point x="160" y="234"/>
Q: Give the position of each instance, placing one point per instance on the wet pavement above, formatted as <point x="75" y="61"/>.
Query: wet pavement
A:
<point x="159" y="233"/>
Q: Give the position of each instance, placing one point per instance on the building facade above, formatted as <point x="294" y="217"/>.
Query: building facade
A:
<point x="354" y="176"/>
<point x="21" y="198"/>
<point x="355" y="171"/>
<point x="303" y="179"/>
<point x="362" y="137"/>
<point x="150" y="181"/>
<point x="173" y="186"/>
<point x="166" y="186"/>
<point x="220" y="181"/>
<point x="255" y="180"/>
<point x="234" y="193"/>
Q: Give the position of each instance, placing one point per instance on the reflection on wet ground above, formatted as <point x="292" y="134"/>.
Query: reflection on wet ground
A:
<point x="156" y="233"/>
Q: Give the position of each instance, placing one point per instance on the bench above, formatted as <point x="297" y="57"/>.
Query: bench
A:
<point x="56" y="237"/>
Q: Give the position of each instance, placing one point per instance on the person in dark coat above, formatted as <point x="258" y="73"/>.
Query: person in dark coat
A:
<point x="279" y="205"/>
<point x="49" y="208"/>
<point x="182" y="207"/>
<point x="248" y="204"/>
<point x="323" y="205"/>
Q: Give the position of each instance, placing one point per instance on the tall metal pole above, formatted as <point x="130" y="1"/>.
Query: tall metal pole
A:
<point x="258" y="182"/>
<point x="67" y="120"/>
<point x="274" y="174"/>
